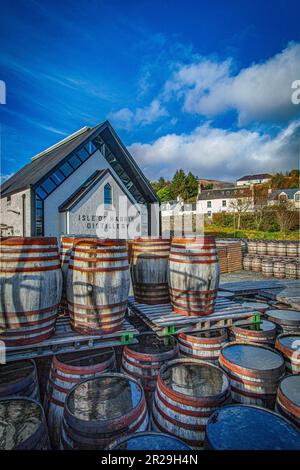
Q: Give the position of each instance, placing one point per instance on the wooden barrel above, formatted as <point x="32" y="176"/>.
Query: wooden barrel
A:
<point x="149" y="441"/>
<point x="256" y="306"/>
<point x="19" y="378"/>
<point x="100" y="410"/>
<point x="272" y="248"/>
<point x="149" y="270"/>
<point x="66" y="247"/>
<point x="129" y="249"/>
<point x="203" y="345"/>
<point x="287" y="321"/>
<point x="241" y="427"/>
<point x="225" y="294"/>
<point x="256" y="263"/>
<point x="289" y="346"/>
<point x="261" y="247"/>
<point x="281" y="248"/>
<point x="254" y="372"/>
<point x="279" y="269"/>
<point x="66" y="371"/>
<point x="263" y="332"/>
<point x="247" y="263"/>
<point x="267" y="268"/>
<point x="290" y="270"/>
<point x="30" y="286"/>
<point x="193" y="275"/>
<point x="98" y="285"/>
<point x="252" y="247"/>
<point x="298" y="269"/>
<point x="142" y="361"/>
<point x="22" y="425"/>
<point x="288" y="399"/>
<point x="187" y="392"/>
<point x="292" y="249"/>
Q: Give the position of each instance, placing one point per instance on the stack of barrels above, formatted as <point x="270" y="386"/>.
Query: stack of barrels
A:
<point x="280" y="259"/>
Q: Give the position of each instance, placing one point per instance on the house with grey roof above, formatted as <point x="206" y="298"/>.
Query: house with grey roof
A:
<point x="248" y="180"/>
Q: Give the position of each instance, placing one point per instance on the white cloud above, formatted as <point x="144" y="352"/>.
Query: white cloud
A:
<point x="4" y="177"/>
<point x="260" y="92"/>
<point x="218" y="153"/>
<point x="126" y="119"/>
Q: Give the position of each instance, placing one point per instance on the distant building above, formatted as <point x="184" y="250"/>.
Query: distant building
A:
<point x="292" y="195"/>
<point x="178" y="207"/>
<point x="248" y="180"/>
<point x="215" y="184"/>
<point x="212" y="201"/>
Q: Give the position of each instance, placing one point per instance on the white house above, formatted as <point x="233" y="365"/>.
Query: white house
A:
<point x="75" y="187"/>
<point x="292" y="195"/>
<point x="212" y="201"/>
<point x="248" y="180"/>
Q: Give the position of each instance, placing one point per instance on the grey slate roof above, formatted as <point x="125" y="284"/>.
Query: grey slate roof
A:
<point x="290" y="192"/>
<point x="228" y="193"/>
<point x="260" y="176"/>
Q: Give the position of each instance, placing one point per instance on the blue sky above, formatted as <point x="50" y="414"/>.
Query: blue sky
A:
<point x="201" y="85"/>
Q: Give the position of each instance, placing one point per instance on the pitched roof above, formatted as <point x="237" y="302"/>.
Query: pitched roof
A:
<point x="46" y="162"/>
<point x="227" y="193"/>
<point x="290" y="192"/>
<point x="260" y="176"/>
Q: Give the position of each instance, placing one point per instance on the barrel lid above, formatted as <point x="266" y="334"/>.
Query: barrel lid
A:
<point x="291" y="341"/>
<point x="223" y="293"/>
<point x="207" y="334"/>
<point x="290" y="387"/>
<point x="263" y="325"/>
<point x="86" y="358"/>
<point x="245" y="427"/>
<point x="149" y="441"/>
<point x="14" y="372"/>
<point x="151" y="345"/>
<point x="251" y="356"/>
<point x="255" y="305"/>
<point x="20" y="420"/>
<point x="107" y="397"/>
<point x="283" y="316"/>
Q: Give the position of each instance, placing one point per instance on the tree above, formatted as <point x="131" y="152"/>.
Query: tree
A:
<point x="166" y="194"/>
<point x="177" y="182"/>
<point x="285" y="214"/>
<point x="240" y="205"/>
<point x="190" y="187"/>
<point x="260" y="204"/>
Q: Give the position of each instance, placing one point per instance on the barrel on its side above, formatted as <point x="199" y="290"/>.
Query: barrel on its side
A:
<point x="263" y="332"/>
<point x="193" y="275"/>
<point x="143" y="361"/>
<point x="98" y="285"/>
<point x="19" y="378"/>
<point x="188" y="391"/>
<point x="288" y="399"/>
<point x="66" y="371"/>
<point x="22" y="425"/>
<point x="30" y="286"/>
<point x="254" y="372"/>
<point x="289" y="346"/>
<point x="99" y="411"/>
<point x="203" y="345"/>
<point x="149" y="270"/>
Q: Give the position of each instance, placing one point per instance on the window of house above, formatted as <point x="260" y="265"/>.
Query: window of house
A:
<point x="107" y="194"/>
<point x="48" y="186"/>
<point x="208" y="203"/>
<point x="8" y="200"/>
<point x="282" y="197"/>
<point x="224" y="203"/>
<point x="297" y="197"/>
<point x="209" y="213"/>
<point x="75" y="161"/>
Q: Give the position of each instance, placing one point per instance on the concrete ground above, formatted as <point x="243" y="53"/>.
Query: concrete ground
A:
<point x="239" y="276"/>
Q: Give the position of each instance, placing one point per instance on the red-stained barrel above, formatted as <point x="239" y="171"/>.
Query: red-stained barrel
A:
<point x="193" y="275"/>
<point x="188" y="391"/>
<point x="203" y="345"/>
<point x="19" y="378"/>
<point x="101" y="410"/>
<point x="288" y="344"/>
<point x="288" y="399"/>
<point x="263" y="332"/>
<point x="66" y="371"/>
<point x="254" y="372"/>
<point x="287" y="321"/>
<point x="30" y="289"/>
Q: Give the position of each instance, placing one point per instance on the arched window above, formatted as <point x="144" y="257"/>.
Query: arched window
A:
<point x="107" y="194"/>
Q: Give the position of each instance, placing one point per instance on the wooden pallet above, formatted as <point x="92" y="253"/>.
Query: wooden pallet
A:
<point x="65" y="340"/>
<point x="163" y="321"/>
<point x="255" y="287"/>
<point x="286" y="295"/>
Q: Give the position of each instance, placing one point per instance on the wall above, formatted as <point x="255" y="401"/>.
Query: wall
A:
<point x="216" y="206"/>
<point x="12" y="217"/>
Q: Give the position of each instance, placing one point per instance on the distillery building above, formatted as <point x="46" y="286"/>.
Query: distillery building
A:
<point x="86" y="184"/>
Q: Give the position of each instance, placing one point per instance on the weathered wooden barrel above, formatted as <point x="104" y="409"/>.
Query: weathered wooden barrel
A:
<point x="149" y="441"/>
<point x="298" y="269"/>
<point x="252" y="247"/>
<point x="149" y="270"/>
<point x="267" y="268"/>
<point x="22" y="425"/>
<point x="289" y="346"/>
<point x="30" y="289"/>
<point x="98" y="285"/>
<point x="19" y="378"/>
<point x="288" y="399"/>
<point x="66" y="371"/>
<point x="261" y="247"/>
<point x="279" y="269"/>
<point x="203" y="345"/>
<point x="187" y="392"/>
<point x="129" y="249"/>
<point x="287" y="321"/>
<point x="281" y="248"/>
<point x="66" y="247"/>
<point x="100" y="410"/>
<point x="290" y="270"/>
<point x="247" y="263"/>
<point x="193" y="275"/>
<point x="143" y="361"/>
<point x="272" y="248"/>
<point x="242" y="427"/>
<point x="263" y="332"/>
<point x="292" y="249"/>
<point x="256" y="263"/>
<point x="254" y="372"/>
<point x="256" y="306"/>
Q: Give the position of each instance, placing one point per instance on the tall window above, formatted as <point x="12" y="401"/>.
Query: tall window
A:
<point x="107" y="194"/>
<point x="224" y="203"/>
<point x="209" y="204"/>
